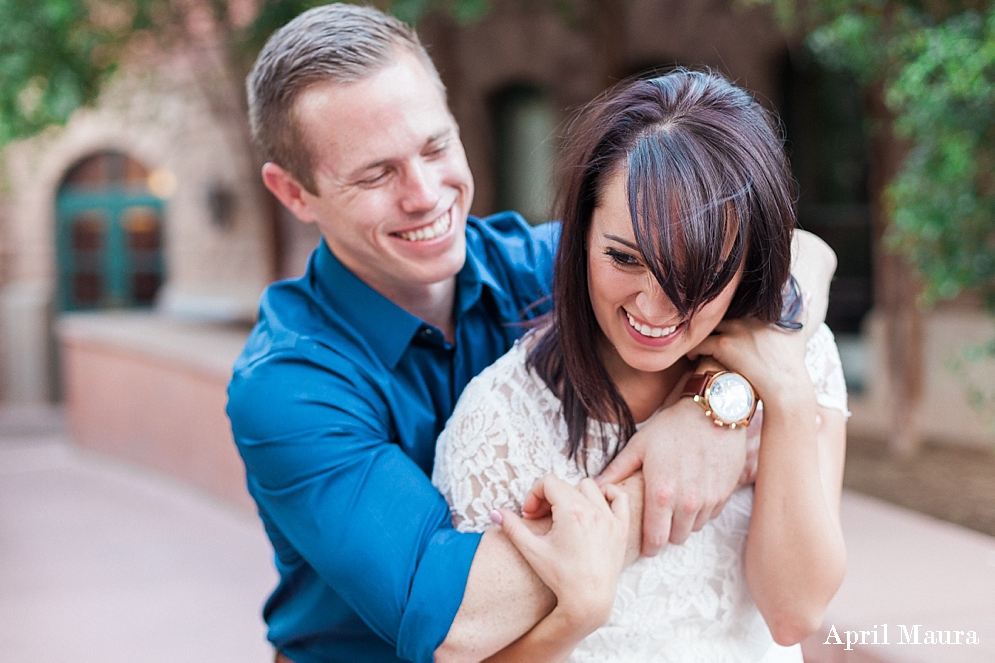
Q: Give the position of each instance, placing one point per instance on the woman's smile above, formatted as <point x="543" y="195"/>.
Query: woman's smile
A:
<point x="650" y="335"/>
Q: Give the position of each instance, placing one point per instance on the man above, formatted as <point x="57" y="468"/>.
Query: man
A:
<point x="352" y="370"/>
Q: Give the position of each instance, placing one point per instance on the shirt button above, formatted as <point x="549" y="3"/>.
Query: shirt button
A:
<point x="426" y="333"/>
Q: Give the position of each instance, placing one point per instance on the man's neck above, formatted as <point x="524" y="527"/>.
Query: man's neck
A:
<point x="434" y="304"/>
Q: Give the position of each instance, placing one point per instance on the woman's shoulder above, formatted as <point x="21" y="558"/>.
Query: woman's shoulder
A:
<point x="822" y="359"/>
<point x="510" y="375"/>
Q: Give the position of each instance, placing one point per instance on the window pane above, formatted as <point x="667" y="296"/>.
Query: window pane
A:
<point x="141" y="226"/>
<point x="87" y="239"/>
<point x="88" y="289"/>
<point x="525" y="124"/>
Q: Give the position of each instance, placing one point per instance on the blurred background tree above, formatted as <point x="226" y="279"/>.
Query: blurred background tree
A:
<point x="927" y="68"/>
<point x="933" y="65"/>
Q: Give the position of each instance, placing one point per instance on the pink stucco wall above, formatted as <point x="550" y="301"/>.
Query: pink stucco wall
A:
<point x="152" y="391"/>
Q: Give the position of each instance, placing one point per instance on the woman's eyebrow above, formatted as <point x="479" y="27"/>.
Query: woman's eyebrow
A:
<point x="631" y="245"/>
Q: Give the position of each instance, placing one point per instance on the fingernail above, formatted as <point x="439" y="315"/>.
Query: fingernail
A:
<point x="496" y="517"/>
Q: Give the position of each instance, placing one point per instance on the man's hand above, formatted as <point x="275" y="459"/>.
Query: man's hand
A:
<point x="690" y="468"/>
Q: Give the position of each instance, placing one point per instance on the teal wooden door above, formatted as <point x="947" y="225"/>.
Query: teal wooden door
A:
<point x="109" y="248"/>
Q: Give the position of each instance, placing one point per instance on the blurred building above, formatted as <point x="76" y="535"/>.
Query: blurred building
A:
<point x="137" y="239"/>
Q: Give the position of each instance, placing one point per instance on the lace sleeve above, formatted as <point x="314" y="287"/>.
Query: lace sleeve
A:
<point x="490" y="453"/>
<point x="822" y="358"/>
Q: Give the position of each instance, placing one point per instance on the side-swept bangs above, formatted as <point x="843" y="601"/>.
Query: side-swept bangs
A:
<point x="709" y="193"/>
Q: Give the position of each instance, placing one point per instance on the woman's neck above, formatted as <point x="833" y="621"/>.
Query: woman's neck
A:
<point x="643" y="392"/>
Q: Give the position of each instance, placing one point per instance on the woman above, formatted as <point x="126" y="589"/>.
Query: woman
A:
<point x="677" y="218"/>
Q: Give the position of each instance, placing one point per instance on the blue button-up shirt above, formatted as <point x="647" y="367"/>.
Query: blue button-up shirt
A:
<point x="335" y="405"/>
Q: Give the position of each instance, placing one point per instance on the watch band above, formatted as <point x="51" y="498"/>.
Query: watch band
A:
<point x="695" y="385"/>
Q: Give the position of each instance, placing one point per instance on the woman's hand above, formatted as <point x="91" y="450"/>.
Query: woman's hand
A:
<point x="773" y="360"/>
<point x="582" y="555"/>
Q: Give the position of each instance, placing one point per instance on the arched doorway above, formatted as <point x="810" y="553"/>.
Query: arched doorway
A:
<point x="108" y="235"/>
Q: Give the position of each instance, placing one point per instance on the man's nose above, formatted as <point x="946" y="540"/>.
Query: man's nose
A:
<point x="421" y="189"/>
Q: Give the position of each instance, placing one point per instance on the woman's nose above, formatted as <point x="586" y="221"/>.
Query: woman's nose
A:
<point x="653" y="303"/>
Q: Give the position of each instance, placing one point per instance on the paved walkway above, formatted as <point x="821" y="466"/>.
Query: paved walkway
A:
<point x="904" y="568"/>
<point x="101" y="561"/>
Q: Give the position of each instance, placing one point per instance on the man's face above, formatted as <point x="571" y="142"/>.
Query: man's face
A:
<point x="394" y="187"/>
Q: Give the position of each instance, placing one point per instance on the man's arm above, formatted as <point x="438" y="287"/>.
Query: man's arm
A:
<point x="367" y="519"/>
<point x="505" y="598"/>
<point x="337" y="492"/>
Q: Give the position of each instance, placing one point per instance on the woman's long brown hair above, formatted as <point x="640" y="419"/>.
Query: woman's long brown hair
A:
<point x="698" y="150"/>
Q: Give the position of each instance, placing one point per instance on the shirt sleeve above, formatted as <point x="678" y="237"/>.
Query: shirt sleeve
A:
<point x="321" y="464"/>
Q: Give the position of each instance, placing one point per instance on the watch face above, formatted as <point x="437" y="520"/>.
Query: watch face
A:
<point x="730" y="397"/>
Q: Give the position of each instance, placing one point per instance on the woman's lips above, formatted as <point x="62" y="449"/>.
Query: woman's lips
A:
<point x="649" y="335"/>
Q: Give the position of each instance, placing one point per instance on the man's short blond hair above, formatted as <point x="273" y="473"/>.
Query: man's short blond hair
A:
<point x="337" y="43"/>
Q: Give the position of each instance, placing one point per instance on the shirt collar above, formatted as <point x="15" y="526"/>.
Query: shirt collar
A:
<point x="470" y="281"/>
<point x="385" y="326"/>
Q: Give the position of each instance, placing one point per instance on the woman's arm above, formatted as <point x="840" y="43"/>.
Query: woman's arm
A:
<point x="795" y="556"/>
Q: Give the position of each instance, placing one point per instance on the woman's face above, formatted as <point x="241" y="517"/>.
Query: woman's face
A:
<point x="640" y="324"/>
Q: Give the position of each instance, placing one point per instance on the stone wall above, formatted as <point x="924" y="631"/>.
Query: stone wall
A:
<point x="158" y="118"/>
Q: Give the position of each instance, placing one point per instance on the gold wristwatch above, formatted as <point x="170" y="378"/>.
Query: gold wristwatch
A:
<point x="727" y="398"/>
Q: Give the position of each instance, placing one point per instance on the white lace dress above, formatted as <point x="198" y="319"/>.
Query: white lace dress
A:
<point x="689" y="603"/>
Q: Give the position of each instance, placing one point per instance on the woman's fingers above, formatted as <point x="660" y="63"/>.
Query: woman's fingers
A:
<point x="618" y="501"/>
<point x="583" y="552"/>
<point x="589" y="489"/>
<point x="516" y="531"/>
<point x="546" y="492"/>
<point x="537" y="504"/>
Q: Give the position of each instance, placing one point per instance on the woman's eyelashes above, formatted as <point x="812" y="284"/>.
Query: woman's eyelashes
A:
<point x="621" y="258"/>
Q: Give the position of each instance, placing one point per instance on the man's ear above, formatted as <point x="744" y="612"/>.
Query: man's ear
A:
<point x="288" y="191"/>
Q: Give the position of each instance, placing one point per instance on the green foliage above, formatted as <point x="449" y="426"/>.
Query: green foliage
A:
<point x="273" y="14"/>
<point x="974" y="365"/>
<point x="935" y="63"/>
<point x="56" y="54"/>
<point x="50" y="63"/>
<point x="944" y="197"/>
<point x="463" y="11"/>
